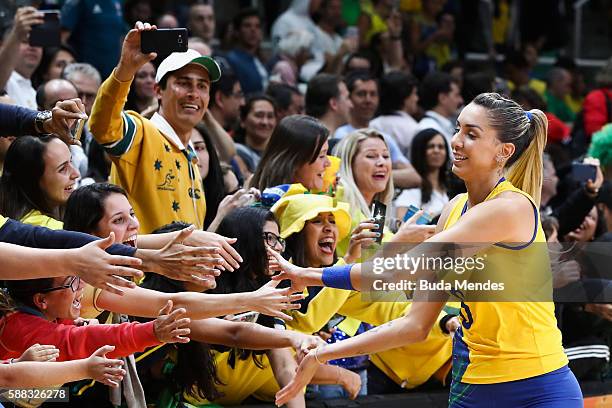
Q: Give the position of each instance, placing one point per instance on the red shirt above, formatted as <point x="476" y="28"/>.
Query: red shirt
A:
<point x="558" y="131"/>
<point x="21" y="330"/>
<point x="595" y="110"/>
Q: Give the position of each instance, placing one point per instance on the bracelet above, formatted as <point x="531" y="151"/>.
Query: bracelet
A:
<point x="317" y="357"/>
<point x="338" y="277"/>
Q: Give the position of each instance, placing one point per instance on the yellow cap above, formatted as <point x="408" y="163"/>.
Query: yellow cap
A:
<point x="293" y="211"/>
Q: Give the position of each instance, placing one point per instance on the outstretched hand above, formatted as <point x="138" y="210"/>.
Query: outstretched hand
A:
<point x="271" y="301"/>
<point x="105" y="370"/>
<point x="175" y="260"/>
<point x="287" y="270"/>
<point x="100" y="269"/>
<point x="171" y="325"/>
<point x="306" y="370"/>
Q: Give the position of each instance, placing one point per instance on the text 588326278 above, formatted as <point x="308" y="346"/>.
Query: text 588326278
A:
<point x="59" y="394"/>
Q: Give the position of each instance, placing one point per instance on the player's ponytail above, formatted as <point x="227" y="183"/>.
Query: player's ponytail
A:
<point x="526" y="130"/>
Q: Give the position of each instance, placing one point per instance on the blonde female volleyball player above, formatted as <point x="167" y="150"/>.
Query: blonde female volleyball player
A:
<point x="506" y="354"/>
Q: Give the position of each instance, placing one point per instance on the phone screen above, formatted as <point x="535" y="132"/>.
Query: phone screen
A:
<point x="47" y="34"/>
<point x="164" y="41"/>
<point x="582" y="172"/>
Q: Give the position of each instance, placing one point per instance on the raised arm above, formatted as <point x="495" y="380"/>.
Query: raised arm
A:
<point x="25" y="18"/>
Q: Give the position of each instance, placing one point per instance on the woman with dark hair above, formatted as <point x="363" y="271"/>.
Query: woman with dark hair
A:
<point x="52" y="63"/>
<point x="313" y="226"/>
<point x="257" y="122"/>
<point x="141" y="97"/>
<point x="37" y="179"/>
<point x="296" y="153"/>
<point x="430" y="159"/>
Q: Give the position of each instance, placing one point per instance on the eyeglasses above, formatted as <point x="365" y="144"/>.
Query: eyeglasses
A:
<point x="73" y="284"/>
<point x="272" y="239"/>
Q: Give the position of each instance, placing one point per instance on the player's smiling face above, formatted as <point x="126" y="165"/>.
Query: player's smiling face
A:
<point x="475" y="145"/>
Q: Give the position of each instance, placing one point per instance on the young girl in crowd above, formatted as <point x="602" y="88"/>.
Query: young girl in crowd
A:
<point x="430" y="159"/>
<point x="494" y="133"/>
<point x="296" y="153"/>
<point x="219" y="201"/>
<point x="257" y="121"/>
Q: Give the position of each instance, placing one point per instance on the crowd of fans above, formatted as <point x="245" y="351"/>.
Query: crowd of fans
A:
<point x="195" y="162"/>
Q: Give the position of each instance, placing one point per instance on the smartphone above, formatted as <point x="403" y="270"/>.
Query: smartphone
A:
<point x="164" y="41"/>
<point x="250" y="317"/>
<point x="424" y="219"/>
<point x="582" y="172"/>
<point x="77" y="129"/>
<point x="48" y="33"/>
<point x="379" y="211"/>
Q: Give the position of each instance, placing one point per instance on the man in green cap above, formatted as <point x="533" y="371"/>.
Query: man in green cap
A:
<point x="152" y="158"/>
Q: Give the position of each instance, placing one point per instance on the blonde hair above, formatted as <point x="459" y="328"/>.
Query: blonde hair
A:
<point x="527" y="131"/>
<point x="346" y="150"/>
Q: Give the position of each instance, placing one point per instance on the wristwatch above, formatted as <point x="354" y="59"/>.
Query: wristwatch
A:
<point x="40" y="119"/>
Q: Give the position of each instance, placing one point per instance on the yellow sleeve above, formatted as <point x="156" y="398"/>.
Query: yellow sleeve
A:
<point x="114" y="129"/>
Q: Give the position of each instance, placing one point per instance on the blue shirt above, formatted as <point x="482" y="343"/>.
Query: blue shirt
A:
<point x="248" y="70"/>
<point x="394" y="150"/>
<point x="97" y="29"/>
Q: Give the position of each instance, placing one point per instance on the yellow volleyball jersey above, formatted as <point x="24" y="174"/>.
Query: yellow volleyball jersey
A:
<point x="3" y="221"/>
<point x="507" y="341"/>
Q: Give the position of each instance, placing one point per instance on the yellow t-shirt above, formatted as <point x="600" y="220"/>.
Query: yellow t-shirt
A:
<point x="507" y="341"/>
<point x="159" y="174"/>
<point x="3" y="221"/>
